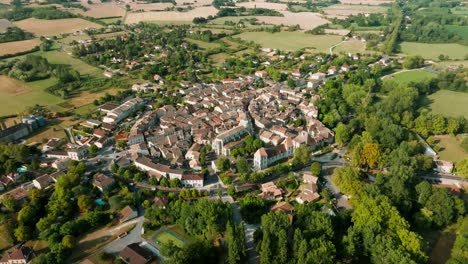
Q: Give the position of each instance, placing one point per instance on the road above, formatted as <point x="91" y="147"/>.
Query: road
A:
<point x="252" y="256"/>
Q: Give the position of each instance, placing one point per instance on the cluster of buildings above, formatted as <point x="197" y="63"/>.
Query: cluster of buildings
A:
<point x="275" y="113"/>
<point x="21" y="130"/>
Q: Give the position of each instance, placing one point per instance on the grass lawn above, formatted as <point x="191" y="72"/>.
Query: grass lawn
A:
<point x="166" y="234"/>
<point x="203" y="44"/>
<point x="451" y="148"/>
<point x="460" y="30"/>
<point x="291" y="40"/>
<point x="442" y="64"/>
<point x="460" y="10"/>
<point x="432" y="51"/>
<point x="449" y="103"/>
<point x="412" y="76"/>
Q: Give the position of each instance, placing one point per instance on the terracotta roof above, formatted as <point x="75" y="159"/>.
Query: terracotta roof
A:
<point x="134" y="254"/>
<point x="126" y="212"/>
<point x="161" y="201"/>
<point x="192" y="177"/>
<point x="21" y="253"/>
<point x="284" y="207"/>
<point x="102" y="181"/>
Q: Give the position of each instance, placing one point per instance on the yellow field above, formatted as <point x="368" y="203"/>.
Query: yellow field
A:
<point x="18" y="46"/>
<point x="100" y="10"/>
<point x="341" y="10"/>
<point x="366" y="2"/>
<point x="54" y="27"/>
<point x="171" y="15"/>
<point x="305" y="20"/>
<point x="149" y="7"/>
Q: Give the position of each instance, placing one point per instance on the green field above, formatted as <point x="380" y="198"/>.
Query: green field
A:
<point x="353" y="46"/>
<point x="432" y="51"/>
<point x="112" y="20"/>
<point x="412" y="76"/>
<point x="462" y="31"/>
<point x="291" y="40"/>
<point x="58" y="57"/>
<point x="460" y="11"/>
<point x="451" y="148"/>
<point x="203" y="44"/>
<point x="449" y="103"/>
<point x="167" y="235"/>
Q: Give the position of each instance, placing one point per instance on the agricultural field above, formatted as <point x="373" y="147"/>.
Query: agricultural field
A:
<point x="193" y="2"/>
<point x="4" y="24"/>
<point x="412" y="76"/>
<point x="203" y="44"/>
<point x="171" y="15"/>
<point x="366" y="2"/>
<point x="340" y="32"/>
<point x="100" y="10"/>
<point x="342" y="11"/>
<point x="296" y="40"/>
<point x="449" y="103"/>
<point x="55" y="27"/>
<point x="351" y="46"/>
<point x="460" y="30"/>
<point x="16" y="96"/>
<point x="460" y="10"/>
<point x="272" y="6"/>
<point x="18" y="46"/>
<point x="139" y="7"/>
<point x="57" y="57"/>
<point x="432" y="51"/>
<point x="443" y="64"/>
<point x="451" y="148"/>
<point x="306" y="20"/>
<point x="111" y="20"/>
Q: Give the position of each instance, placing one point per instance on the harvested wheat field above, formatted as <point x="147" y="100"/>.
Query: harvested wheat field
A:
<point x="341" y="11"/>
<point x="272" y="6"/>
<point x="18" y="46"/>
<point x="13" y="87"/>
<point x="42" y="27"/>
<point x="366" y="2"/>
<point x="149" y="7"/>
<point x="340" y="32"/>
<point x="100" y="10"/>
<point x="194" y="2"/>
<point x="4" y="25"/>
<point x="171" y="15"/>
<point x="305" y="20"/>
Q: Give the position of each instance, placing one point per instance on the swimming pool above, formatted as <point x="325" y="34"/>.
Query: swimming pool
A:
<point x="100" y="202"/>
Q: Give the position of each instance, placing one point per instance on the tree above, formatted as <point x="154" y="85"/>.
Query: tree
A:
<point x="302" y="155"/>
<point x="27" y="215"/>
<point x="462" y="168"/>
<point x="369" y="155"/>
<point x="266" y="249"/>
<point x="23" y="233"/>
<point x="85" y="203"/>
<point x="342" y="134"/>
<point x="68" y="241"/>
<point x="316" y="168"/>
<point x="282" y="247"/>
<point x="242" y="166"/>
<point x="412" y="62"/>
<point x="223" y="164"/>
<point x="441" y="205"/>
<point x="9" y="203"/>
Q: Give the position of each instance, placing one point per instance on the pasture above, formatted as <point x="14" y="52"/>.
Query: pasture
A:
<point x="432" y="51"/>
<point x="42" y="27"/>
<point x="451" y="148"/>
<point x="449" y="103"/>
<point x="18" y="46"/>
<point x="203" y="44"/>
<point x="291" y="40"/>
<point x="16" y="96"/>
<point x="462" y="31"/>
<point x="412" y="76"/>
<point x="171" y="15"/>
<point x="351" y="46"/>
<point x="58" y="57"/>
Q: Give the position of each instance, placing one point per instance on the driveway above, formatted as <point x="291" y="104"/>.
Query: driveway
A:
<point x="134" y="236"/>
